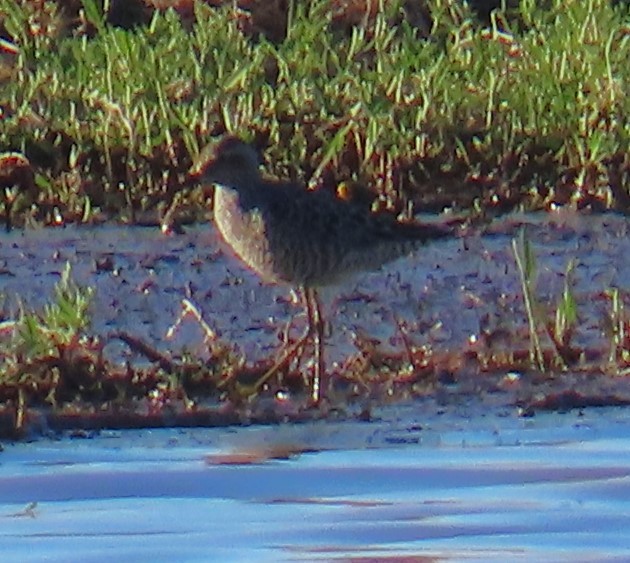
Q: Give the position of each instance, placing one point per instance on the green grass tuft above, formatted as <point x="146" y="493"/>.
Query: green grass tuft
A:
<point x="111" y="122"/>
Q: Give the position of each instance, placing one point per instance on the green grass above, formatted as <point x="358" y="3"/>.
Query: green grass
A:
<point x="112" y="123"/>
<point x="46" y="347"/>
<point x="557" y="328"/>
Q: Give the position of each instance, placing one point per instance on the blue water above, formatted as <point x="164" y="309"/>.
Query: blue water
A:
<point x="458" y="486"/>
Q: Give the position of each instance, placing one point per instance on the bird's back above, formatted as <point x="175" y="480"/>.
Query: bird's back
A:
<point x="310" y="238"/>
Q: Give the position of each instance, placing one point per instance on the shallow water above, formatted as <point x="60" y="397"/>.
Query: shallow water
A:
<point x="465" y="485"/>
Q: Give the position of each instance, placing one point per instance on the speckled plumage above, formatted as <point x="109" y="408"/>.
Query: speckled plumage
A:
<point x="302" y="238"/>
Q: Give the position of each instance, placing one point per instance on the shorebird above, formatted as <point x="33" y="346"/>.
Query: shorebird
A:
<point x="303" y="238"/>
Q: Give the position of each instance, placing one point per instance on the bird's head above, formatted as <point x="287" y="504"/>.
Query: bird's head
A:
<point x="233" y="163"/>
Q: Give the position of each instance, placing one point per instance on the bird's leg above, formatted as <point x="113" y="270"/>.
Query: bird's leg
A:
<point x="296" y="349"/>
<point x="299" y="354"/>
<point x="316" y="330"/>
